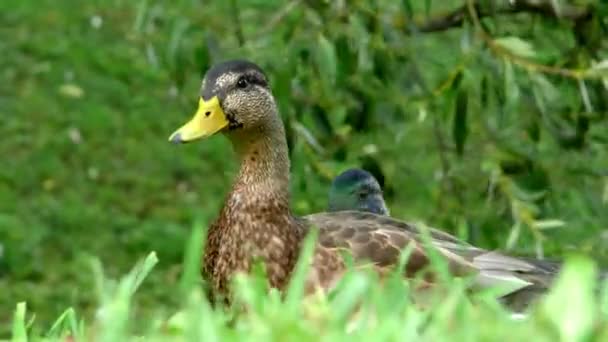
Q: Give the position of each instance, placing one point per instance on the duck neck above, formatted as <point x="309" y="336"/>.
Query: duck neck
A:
<point x="256" y="221"/>
<point x="264" y="165"/>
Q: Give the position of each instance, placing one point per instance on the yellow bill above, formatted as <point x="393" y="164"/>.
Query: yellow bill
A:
<point x="208" y="120"/>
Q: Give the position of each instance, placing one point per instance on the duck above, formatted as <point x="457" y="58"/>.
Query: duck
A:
<point x="357" y="189"/>
<point x="256" y="223"/>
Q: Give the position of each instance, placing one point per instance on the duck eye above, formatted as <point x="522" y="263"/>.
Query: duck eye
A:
<point x="362" y="195"/>
<point x="242" y="83"/>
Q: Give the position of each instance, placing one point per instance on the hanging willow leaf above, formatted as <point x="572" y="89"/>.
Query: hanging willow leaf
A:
<point x="407" y="7"/>
<point x="512" y="93"/>
<point x="327" y="61"/>
<point x="459" y="125"/>
<point x="517" y="46"/>
<point x="427" y="8"/>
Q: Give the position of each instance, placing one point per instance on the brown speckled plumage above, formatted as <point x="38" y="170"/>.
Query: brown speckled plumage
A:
<point x="256" y="222"/>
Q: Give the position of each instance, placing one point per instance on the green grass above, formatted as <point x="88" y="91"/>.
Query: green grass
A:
<point x="359" y="309"/>
<point x="90" y="91"/>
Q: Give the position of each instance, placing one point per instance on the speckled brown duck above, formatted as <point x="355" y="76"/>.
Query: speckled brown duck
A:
<point x="256" y="222"/>
<point x="357" y="189"/>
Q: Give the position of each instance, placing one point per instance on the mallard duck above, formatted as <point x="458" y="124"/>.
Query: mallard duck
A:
<point x="357" y="189"/>
<point x="256" y="223"/>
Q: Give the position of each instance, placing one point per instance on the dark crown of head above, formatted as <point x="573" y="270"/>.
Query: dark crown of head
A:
<point x="237" y="66"/>
<point x="352" y="176"/>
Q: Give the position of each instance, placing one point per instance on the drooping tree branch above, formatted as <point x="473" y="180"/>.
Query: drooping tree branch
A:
<point x="474" y="11"/>
<point x="497" y="49"/>
<point x="457" y="17"/>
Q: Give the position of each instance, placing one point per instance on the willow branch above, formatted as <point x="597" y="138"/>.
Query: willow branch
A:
<point x="457" y="17"/>
<point x="523" y="62"/>
<point x="278" y="17"/>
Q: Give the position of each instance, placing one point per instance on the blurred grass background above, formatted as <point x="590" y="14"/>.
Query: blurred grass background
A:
<point x="464" y="130"/>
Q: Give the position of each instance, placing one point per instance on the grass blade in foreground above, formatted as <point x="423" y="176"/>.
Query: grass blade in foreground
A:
<point x="571" y="305"/>
<point x="114" y="314"/>
<point x="295" y="291"/>
<point x="66" y="321"/>
<point x="192" y="259"/>
<point x="19" y="326"/>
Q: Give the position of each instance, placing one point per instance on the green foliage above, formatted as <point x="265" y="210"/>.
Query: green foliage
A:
<point x="360" y="308"/>
<point x="494" y="129"/>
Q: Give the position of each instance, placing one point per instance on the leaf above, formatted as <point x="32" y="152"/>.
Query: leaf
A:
<point x="140" y="272"/>
<point x="602" y="69"/>
<point x="407" y="7"/>
<point x="140" y="18"/>
<point x="177" y="35"/>
<point x="513" y="236"/>
<point x="113" y="316"/>
<point x="296" y="287"/>
<point x="327" y="61"/>
<point x="360" y="39"/>
<point x="585" y="96"/>
<point x="459" y="126"/>
<point x="192" y="259"/>
<point x="571" y="305"/>
<point x="549" y="224"/>
<point x="516" y="46"/>
<point x="512" y="93"/>
<point x="427" y="8"/>
<point x="605" y="192"/>
<point x="548" y="90"/>
<point x="71" y="90"/>
<point x="355" y="286"/>
<point x="310" y="138"/>
<point x="66" y="320"/>
<point x="19" y="326"/>
<point x="601" y="66"/>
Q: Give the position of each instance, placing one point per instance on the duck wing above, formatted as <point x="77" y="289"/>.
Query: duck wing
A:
<point x="380" y="240"/>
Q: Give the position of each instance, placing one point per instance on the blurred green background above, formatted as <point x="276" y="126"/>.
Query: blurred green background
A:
<point x="464" y="127"/>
